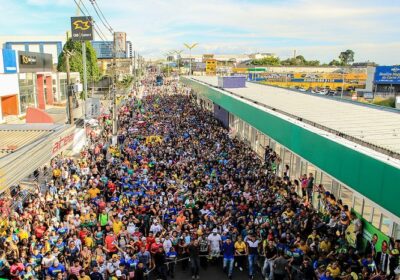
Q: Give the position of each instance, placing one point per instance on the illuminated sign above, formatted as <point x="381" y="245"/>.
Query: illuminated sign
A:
<point x="81" y="28"/>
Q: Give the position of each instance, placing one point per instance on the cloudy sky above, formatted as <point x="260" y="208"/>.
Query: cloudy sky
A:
<point x="317" y="29"/>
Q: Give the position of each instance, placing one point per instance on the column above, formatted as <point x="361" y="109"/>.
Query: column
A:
<point x="40" y="93"/>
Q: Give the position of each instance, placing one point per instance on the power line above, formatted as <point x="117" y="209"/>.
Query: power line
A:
<point x="98" y="12"/>
<point x="94" y="23"/>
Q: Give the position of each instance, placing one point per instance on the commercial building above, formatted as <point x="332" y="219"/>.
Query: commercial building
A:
<point x="339" y="142"/>
<point x="104" y="50"/>
<point x="40" y="44"/>
<point x="9" y="90"/>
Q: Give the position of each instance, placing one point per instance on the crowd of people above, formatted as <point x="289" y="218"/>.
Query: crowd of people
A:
<point x="176" y="192"/>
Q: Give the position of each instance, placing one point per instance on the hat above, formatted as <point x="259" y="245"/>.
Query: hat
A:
<point x="215" y="230"/>
<point x="118" y="273"/>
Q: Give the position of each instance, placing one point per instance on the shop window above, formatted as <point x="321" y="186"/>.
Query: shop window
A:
<point x="376" y="218"/>
<point x="346" y="196"/>
<point x="367" y="211"/>
<point x="385" y="224"/>
<point x="358" y="205"/>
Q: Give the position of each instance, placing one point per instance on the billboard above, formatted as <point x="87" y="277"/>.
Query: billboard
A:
<point x="82" y="28"/>
<point x="93" y="107"/>
<point x="387" y="75"/>
<point x="30" y="62"/>
<point x="120" y="42"/>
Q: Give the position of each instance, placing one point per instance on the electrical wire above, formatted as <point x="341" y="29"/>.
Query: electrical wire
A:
<point x="102" y="36"/>
<point x="94" y="23"/>
<point x="94" y="1"/>
<point x="98" y="12"/>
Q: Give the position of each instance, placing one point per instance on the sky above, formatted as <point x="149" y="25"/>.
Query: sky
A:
<point x="316" y="29"/>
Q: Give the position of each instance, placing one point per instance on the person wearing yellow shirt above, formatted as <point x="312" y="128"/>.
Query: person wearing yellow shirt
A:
<point x="334" y="269"/>
<point x="313" y="235"/>
<point x="240" y="252"/>
<point x="23" y="234"/>
<point x="288" y="213"/>
<point x="117" y="225"/>
<point x="89" y="242"/>
<point x="325" y="245"/>
<point x="93" y="192"/>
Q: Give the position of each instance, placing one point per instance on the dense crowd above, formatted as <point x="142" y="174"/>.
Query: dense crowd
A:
<point x="176" y="191"/>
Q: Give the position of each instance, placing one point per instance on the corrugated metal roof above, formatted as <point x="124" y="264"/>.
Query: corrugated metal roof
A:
<point x="14" y="137"/>
<point x="370" y="125"/>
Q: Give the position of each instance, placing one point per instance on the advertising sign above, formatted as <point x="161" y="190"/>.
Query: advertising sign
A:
<point x="93" y="108"/>
<point x="387" y="75"/>
<point x="120" y="42"/>
<point x="82" y="28"/>
<point x="8" y="60"/>
<point x="30" y="62"/>
<point x="63" y="142"/>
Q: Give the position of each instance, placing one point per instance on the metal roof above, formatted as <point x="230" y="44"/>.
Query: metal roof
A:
<point x="370" y="125"/>
<point x="14" y="137"/>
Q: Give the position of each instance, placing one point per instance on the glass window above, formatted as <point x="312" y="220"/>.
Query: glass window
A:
<point x="367" y="211"/>
<point x="376" y="218"/>
<point x="326" y="182"/>
<point x="287" y="160"/>
<point x="27" y="91"/>
<point x="385" y="224"/>
<point x="396" y="231"/>
<point x="335" y="188"/>
<point x="296" y="167"/>
<point x="358" y="205"/>
<point x="346" y="196"/>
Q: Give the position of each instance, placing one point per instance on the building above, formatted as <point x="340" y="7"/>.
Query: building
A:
<point x="211" y="66"/>
<point x="261" y="55"/>
<point x="387" y="80"/>
<point x="40" y="44"/>
<point x="337" y="141"/>
<point x="9" y="89"/>
<point x="104" y="50"/>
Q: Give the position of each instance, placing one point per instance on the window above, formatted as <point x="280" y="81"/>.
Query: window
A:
<point x="287" y="160"/>
<point x="358" y="205"/>
<point x="396" y="231"/>
<point x="376" y="218"/>
<point x="26" y="91"/>
<point x="367" y="211"/>
<point x="385" y="224"/>
<point x="346" y="196"/>
<point x="326" y="182"/>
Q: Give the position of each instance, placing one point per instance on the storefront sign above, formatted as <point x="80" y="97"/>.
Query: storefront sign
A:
<point x="63" y="142"/>
<point x="387" y="75"/>
<point x="30" y="62"/>
<point x="82" y="28"/>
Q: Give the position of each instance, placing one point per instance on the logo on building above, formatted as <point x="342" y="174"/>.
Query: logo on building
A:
<point x="395" y="69"/>
<point x="28" y="59"/>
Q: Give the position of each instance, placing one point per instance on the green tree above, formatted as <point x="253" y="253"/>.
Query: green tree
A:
<point x="75" y="61"/>
<point x="346" y="57"/>
<point x="335" y="62"/>
<point x="267" y="61"/>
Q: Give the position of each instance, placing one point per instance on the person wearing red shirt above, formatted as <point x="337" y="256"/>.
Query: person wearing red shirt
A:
<point x="39" y="231"/>
<point x="150" y="239"/>
<point x="154" y="247"/>
<point x="110" y="241"/>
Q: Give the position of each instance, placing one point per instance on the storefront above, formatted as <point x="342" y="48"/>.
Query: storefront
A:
<point x="35" y="80"/>
<point x="8" y="85"/>
<point x="387" y="80"/>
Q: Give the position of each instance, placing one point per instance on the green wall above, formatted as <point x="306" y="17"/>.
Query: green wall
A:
<point x="374" y="179"/>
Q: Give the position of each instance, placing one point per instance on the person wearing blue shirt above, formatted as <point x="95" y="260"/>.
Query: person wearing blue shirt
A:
<point x="56" y="268"/>
<point x="228" y="250"/>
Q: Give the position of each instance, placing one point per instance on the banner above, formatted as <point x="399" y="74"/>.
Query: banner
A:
<point x="93" y="108"/>
<point x="387" y="75"/>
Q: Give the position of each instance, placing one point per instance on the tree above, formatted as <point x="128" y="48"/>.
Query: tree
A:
<point x="335" y="62"/>
<point x="76" y="65"/>
<point x="267" y="61"/>
<point x="346" y="57"/>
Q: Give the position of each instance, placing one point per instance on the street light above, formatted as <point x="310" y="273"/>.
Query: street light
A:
<point x="190" y="47"/>
<point x="178" y="55"/>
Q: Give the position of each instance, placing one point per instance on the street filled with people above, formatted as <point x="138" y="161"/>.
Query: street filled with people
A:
<point x="177" y="194"/>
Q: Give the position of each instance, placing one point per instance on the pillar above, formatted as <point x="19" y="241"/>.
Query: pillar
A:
<point x="49" y="90"/>
<point x="40" y="92"/>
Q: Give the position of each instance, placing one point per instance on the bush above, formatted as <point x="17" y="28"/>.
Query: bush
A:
<point x="389" y="102"/>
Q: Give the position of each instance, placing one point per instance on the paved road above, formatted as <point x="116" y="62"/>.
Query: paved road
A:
<point x="213" y="272"/>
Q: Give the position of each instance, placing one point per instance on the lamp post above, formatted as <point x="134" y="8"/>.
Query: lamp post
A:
<point x="178" y="55"/>
<point x="190" y="47"/>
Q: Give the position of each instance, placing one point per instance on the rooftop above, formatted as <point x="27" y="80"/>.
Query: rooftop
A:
<point x="374" y="127"/>
<point x="14" y="137"/>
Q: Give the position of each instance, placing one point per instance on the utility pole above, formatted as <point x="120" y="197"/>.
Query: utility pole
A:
<point x="69" y="89"/>
<point x="114" y="116"/>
